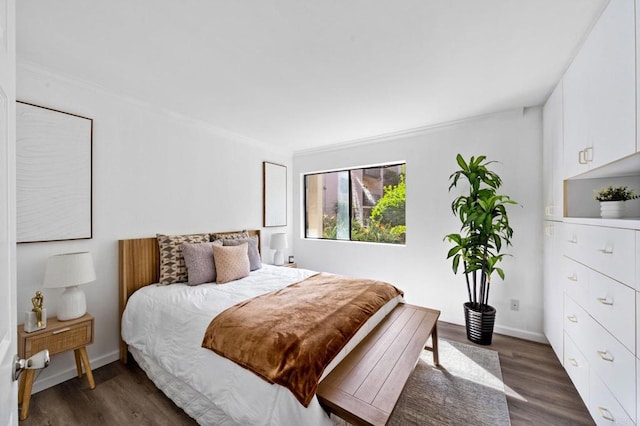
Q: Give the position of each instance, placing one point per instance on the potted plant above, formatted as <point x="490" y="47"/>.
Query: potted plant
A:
<point x="612" y="201"/>
<point x="484" y="232"/>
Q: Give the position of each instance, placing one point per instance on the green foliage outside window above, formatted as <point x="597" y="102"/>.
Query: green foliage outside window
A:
<point x="387" y="219"/>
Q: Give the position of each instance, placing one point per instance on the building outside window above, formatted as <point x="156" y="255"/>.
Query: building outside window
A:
<point x="363" y="204"/>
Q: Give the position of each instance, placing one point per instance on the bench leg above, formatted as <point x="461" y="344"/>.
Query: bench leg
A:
<point x="434" y="345"/>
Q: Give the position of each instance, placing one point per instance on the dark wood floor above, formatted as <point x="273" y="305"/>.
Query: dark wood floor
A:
<point x="539" y="392"/>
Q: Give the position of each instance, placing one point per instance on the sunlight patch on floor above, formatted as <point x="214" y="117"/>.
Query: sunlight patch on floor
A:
<point x="478" y="374"/>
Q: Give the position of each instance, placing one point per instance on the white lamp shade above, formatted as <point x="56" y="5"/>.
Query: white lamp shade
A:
<point x="69" y="269"/>
<point x="278" y="241"/>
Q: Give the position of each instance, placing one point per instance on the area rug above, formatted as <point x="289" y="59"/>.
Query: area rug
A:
<point x="466" y="389"/>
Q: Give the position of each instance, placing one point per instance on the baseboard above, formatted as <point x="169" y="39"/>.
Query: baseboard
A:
<point x="507" y="331"/>
<point x="63" y="376"/>
<point x="521" y="334"/>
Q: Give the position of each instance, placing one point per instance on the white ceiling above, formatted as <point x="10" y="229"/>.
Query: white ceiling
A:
<point x="307" y="73"/>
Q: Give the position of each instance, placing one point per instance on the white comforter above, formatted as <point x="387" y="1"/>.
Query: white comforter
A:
<point x="167" y="323"/>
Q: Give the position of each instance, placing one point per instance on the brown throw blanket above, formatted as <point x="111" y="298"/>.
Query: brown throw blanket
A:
<point x="289" y="336"/>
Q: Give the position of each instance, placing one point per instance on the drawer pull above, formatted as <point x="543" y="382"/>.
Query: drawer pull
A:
<point x="606" y="414"/>
<point x="573" y="278"/>
<point x="62" y="330"/>
<point x="573" y="240"/>
<point x="573" y="362"/>
<point x="581" y="157"/>
<point x="605" y="355"/>
<point x="572" y="318"/>
<point x="606" y="251"/>
<point x="605" y="301"/>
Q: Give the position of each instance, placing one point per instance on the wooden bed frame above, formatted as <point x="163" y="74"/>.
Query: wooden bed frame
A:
<point x="365" y="387"/>
<point x="139" y="260"/>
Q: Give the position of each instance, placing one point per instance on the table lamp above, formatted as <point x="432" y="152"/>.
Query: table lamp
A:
<point x="68" y="271"/>
<point x="278" y="243"/>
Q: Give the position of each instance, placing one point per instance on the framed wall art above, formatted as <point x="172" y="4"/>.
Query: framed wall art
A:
<point x="274" y="187"/>
<point x="53" y="175"/>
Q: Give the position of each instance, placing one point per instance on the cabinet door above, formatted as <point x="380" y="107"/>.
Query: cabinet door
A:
<point x="552" y="146"/>
<point x="599" y="93"/>
<point x="576" y="103"/>
<point x="553" y="294"/>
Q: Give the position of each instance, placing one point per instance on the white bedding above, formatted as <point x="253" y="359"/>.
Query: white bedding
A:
<point x="164" y="326"/>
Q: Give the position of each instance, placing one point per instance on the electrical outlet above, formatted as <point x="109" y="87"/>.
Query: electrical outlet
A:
<point x="515" y="305"/>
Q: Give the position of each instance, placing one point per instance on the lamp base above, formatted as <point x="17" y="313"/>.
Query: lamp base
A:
<point x="278" y="258"/>
<point x="72" y="304"/>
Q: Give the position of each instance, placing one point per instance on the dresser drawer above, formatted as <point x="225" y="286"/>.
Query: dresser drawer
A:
<point x="577" y="367"/>
<point x="611" y="251"/>
<point x="576" y="322"/>
<point x="58" y="340"/>
<point x="603" y="406"/>
<point x="613" y="305"/>
<point x="575" y="280"/>
<point x="613" y="363"/>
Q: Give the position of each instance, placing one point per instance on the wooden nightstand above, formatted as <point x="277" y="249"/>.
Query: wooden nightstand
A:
<point x="58" y="337"/>
<point x="289" y="265"/>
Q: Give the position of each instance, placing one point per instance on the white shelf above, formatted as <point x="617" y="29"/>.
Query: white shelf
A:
<point x="626" y="223"/>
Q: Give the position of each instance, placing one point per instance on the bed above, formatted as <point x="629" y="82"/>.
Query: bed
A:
<point x="162" y="328"/>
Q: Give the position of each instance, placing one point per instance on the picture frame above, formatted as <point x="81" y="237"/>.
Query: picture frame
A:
<point x="54" y="175"/>
<point x="274" y="191"/>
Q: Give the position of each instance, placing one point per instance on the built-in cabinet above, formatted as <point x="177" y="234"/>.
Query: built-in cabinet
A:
<point x="591" y="265"/>
<point x="599" y="93"/>
<point x="553" y="140"/>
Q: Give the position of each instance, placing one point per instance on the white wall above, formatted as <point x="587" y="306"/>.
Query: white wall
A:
<point x="153" y="172"/>
<point x="420" y="268"/>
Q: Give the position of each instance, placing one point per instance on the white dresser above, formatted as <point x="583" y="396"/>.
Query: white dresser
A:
<point x="598" y="272"/>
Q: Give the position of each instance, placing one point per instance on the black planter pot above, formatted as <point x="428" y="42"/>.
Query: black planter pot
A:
<point x="479" y="324"/>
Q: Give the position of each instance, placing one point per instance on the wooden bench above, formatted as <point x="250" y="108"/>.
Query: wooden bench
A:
<point x="365" y="387"/>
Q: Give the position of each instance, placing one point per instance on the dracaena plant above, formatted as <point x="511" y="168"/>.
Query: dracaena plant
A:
<point x="484" y="230"/>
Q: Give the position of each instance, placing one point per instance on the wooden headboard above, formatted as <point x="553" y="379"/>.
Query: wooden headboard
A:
<point x="139" y="266"/>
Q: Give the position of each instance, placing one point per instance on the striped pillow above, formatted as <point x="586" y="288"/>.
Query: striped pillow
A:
<point x="172" y="266"/>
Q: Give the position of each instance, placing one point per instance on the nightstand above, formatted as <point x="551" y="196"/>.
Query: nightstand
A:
<point x="58" y="337"/>
<point x="289" y="265"/>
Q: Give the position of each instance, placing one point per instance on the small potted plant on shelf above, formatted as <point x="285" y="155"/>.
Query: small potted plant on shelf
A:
<point x="484" y="232"/>
<point x="612" y="201"/>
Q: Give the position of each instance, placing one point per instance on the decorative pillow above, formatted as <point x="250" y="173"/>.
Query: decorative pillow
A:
<point x="198" y="258"/>
<point x="172" y="267"/>
<point x="232" y="262"/>
<point x="233" y="236"/>
<point x="254" y="255"/>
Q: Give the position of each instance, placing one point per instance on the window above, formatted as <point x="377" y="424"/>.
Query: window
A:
<point x="365" y="204"/>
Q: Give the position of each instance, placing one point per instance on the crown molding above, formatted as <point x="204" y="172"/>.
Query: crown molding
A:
<point x="406" y="133"/>
<point x="139" y="103"/>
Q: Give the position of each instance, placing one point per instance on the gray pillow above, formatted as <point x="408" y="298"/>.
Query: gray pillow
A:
<point x="198" y="258"/>
<point x="254" y="255"/>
